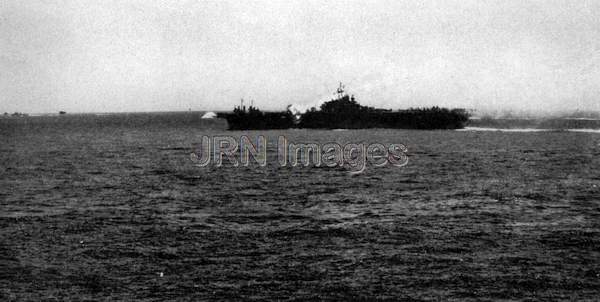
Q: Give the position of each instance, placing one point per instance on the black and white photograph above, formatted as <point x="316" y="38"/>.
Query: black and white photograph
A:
<point x="299" y="150"/>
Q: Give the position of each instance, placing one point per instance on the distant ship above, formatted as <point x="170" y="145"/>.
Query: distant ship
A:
<point x="254" y="119"/>
<point x="344" y="112"/>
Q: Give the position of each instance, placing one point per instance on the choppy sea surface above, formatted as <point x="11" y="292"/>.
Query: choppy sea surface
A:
<point x="528" y="129"/>
<point x="111" y="207"/>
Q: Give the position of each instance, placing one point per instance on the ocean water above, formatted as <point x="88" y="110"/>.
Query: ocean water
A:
<point x="589" y="130"/>
<point x="111" y="207"/>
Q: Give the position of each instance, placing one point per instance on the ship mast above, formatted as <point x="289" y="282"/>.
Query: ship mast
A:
<point x="340" y="91"/>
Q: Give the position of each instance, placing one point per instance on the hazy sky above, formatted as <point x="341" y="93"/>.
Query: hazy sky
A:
<point x="98" y="56"/>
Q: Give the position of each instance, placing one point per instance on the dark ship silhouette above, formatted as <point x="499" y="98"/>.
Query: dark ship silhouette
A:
<point x="254" y="119"/>
<point x="345" y="112"/>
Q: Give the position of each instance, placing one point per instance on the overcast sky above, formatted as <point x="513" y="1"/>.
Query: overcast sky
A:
<point x="107" y="56"/>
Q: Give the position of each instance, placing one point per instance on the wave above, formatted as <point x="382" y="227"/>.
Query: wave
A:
<point x="527" y="129"/>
